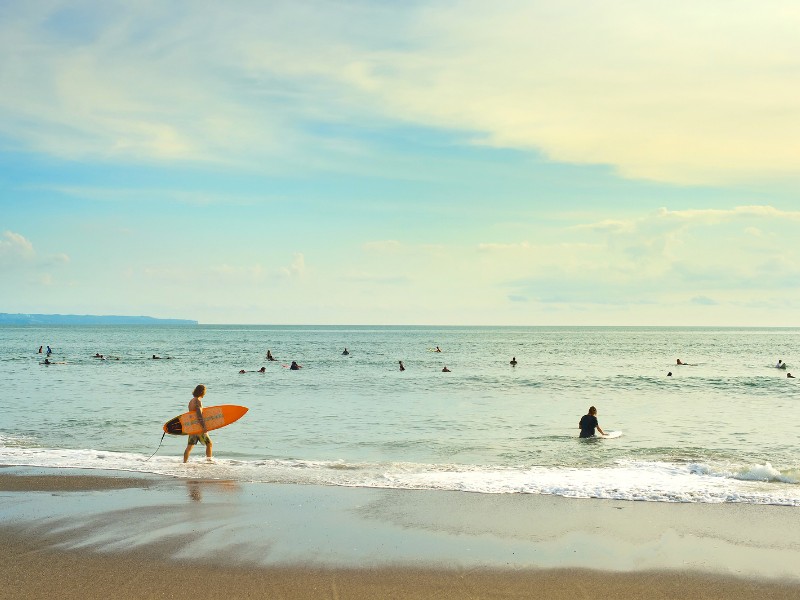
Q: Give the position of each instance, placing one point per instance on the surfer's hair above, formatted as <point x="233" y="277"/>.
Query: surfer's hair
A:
<point x="199" y="391"/>
<point x="592" y="409"/>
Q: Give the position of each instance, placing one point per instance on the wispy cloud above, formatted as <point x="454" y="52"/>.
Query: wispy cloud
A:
<point x="17" y="251"/>
<point x="495" y="247"/>
<point x="14" y="246"/>
<point x="681" y="94"/>
<point x="296" y="268"/>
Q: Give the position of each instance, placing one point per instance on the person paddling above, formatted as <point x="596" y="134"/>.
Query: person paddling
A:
<point x="588" y="423"/>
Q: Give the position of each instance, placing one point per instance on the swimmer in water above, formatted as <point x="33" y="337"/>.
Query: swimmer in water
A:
<point x="789" y="376"/>
<point x="295" y="366"/>
<point x="269" y="355"/>
<point x="262" y="370"/>
<point x="513" y="361"/>
<point x="588" y="423"/>
<point x="445" y="370"/>
<point x="402" y="368"/>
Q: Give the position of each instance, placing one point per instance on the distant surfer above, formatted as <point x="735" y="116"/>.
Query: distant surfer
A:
<point x="513" y="361"/>
<point x="196" y="405"/>
<point x="438" y="349"/>
<point x="295" y="366"/>
<point x="402" y="368"/>
<point x="156" y="357"/>
<point x="242" y="371"/>
<point x="780" y="365"/>
<point x="269" y="355"/>
<point x="262" y="370"/>
<point x="588" y="423"/>
<point x="789" y="376"/>
<point x="345" y="353"/>
<point x="47" y="362"/>
<point x="40" y="349"/>
<point x="680" y="362"/>
<point x="445" y="370"/>
<point x="669" y="374"/>
<point x="49" y="352"/>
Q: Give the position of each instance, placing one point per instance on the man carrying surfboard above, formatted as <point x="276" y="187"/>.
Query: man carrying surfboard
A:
<point x="196" y="405"/>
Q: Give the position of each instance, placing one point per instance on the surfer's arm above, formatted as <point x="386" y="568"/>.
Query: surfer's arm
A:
<point x="600" y="430"/>
<point x="200" y="418"/>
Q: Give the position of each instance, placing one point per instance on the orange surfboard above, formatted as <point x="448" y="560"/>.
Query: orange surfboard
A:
<point x="214" y="416"/>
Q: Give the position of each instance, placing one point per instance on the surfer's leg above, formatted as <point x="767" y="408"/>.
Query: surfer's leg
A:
<point x="186" y="452"/>
<point x="208" y="447"/>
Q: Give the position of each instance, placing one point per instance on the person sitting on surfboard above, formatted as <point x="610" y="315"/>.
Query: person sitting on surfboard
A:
<point x="295" y="366"/>
<point x="789" y="376"/>
<point x="345" y="353"/>
<point x="437" y="349"/>
<point x="445" y="370"/>
<point x="402" y="368"/>
<point x="269" y="355"/>
<point x="513" y="361"/>
<point x="196" y="404"/>
<point x="588" y="423"/>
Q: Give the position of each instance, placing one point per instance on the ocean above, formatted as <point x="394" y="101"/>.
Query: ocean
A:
<point x="723" y="428"/>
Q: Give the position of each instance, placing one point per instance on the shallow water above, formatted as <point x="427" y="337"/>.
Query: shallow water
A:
<point x="721" y="429"/>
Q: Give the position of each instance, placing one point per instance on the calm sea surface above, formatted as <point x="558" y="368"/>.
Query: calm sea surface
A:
<point x="723" y="429"/>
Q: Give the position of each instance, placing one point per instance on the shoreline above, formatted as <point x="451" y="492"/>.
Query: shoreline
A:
<point x="78" y="531"/>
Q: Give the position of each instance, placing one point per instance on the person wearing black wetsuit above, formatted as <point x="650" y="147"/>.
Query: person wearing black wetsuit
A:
<point x="588" y="423"/>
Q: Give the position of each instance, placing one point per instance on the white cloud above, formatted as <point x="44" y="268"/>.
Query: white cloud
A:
<point x="684" y="92"/>
<point x="297" y="268"/>
<point x="15" y="247"/>
<point x="719" y="215"/>
<point x="494" y="247"/>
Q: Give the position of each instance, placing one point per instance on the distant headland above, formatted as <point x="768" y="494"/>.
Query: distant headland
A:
<point x="25" y="319"/>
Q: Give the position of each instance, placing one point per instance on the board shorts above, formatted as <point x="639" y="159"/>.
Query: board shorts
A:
<point x="199" y="437"/>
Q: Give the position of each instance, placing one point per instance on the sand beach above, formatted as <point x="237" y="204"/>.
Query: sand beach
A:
<point x="78" y="534"/>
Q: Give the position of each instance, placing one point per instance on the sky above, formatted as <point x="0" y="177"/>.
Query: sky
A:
<point x="443" y="162"/>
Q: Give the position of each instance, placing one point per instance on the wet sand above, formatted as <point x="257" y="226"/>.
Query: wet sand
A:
<point x="73" y="534"/>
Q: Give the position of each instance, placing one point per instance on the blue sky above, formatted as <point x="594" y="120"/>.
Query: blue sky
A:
<point x="520" y="163"/>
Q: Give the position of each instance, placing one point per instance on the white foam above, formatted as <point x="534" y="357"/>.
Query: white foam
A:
<point x="624" y="480"/>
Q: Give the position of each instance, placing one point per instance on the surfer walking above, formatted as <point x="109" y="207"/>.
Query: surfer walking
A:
<point x="588" y="423"/>
<point x="196" y="405"/>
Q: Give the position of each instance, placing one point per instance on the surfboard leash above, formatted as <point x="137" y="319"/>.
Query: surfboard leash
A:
<point x="159" y="446"/>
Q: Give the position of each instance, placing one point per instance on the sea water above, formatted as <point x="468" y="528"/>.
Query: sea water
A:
<point x="722" y="429"/>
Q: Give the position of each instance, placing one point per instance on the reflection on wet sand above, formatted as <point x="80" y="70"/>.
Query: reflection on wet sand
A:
<point x="195" y="487"/>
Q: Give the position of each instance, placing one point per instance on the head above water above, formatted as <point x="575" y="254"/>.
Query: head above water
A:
<point x="592" y="410"/>
<point x="199" y="391"/>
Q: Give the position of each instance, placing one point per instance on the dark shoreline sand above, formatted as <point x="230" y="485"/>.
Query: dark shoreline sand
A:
<point x="73" y="534"/>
